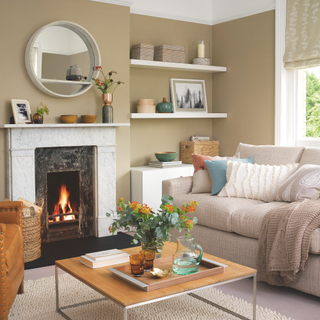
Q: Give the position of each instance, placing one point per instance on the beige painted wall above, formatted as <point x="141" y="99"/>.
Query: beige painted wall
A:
<point x="246" y="46"/>
<point x="151" y="135"/>
<point x="108" y="24"/>
<point x="246" y="91"/>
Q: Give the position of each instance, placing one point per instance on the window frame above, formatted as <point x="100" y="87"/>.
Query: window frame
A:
<point x="288" y="93"/>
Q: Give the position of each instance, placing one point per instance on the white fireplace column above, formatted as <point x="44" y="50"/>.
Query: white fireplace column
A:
<point x="22" y="140"/>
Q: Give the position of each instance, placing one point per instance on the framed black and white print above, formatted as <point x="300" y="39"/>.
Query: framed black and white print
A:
<point x="21" y="111"/>
<point x="188" y="95"/>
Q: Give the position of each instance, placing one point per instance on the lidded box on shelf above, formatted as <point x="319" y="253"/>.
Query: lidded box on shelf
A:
<point x="167" y="53"/>
<point x="204" y="148"/>
<point x="146" y="106"/>
<point x="142" y="51"/>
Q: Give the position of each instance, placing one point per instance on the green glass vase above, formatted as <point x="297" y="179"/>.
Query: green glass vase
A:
<point x="150" y="242"/>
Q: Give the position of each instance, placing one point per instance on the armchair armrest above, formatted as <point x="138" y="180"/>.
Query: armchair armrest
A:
<point x="11" y="212"/>
<point x="177" y="186"/>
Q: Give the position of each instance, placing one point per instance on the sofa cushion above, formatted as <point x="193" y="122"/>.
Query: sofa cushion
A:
<point x="215" y="212"/>
<point x="12" y="244"/>
<point x="269" y="154"/>
<point x="303" y="184"/>
<point x="247" y="221"/>
<point x="218" y="172"/>
<point x="315" y="242"/>
<point x="201" y="182"/>
<point x="254" y="181"/>
<point x="310" y="156"/>
<point x="201" y="177"/>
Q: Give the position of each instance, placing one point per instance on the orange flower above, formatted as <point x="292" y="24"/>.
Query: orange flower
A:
<point x="134" y="205"/>
<point x="145" y="210"/>
<point x="189" y="224"/>
<point x="168" y="207"/>
<point x="120" y="209"/>
<point x="183" y="209"/>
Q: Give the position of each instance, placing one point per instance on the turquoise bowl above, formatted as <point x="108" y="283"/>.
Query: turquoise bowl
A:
<point x="166" y="156"/>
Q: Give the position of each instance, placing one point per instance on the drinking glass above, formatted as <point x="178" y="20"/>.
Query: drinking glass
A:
<point x="150" y="256"/>
<point x="137" y="262"/>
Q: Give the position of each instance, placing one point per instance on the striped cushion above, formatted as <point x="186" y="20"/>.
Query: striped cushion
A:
<point x="253" y="181"/>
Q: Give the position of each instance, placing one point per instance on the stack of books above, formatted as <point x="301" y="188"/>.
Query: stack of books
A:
<point x="167" y="164"/>
<point x="199" y="138"/>
<point x="104" y="258"/>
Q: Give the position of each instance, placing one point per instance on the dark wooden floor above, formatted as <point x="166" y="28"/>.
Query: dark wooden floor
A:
<point x="64" y="249"/>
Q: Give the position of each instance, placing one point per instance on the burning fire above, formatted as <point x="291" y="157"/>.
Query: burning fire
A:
<point x="63" y="206"/>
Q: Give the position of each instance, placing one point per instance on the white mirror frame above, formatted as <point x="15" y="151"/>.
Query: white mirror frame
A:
<point x="93" y="50"/>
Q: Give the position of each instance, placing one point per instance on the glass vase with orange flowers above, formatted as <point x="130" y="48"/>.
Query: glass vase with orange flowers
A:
<point x="153" y="228"/>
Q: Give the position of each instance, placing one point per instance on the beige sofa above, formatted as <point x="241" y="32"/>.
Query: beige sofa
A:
<point x="229" y="227"/>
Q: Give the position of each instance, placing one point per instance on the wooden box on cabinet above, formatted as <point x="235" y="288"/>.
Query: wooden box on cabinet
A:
<point x="146" y="182"/>
<point x="205" y="148"/>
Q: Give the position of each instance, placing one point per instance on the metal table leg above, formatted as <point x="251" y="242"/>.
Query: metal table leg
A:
<point x="254" y="302"/>
<point x="229" y="311"/>
<point x="59" y="309"/>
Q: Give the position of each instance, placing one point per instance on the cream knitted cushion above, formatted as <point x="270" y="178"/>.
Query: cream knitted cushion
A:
<point x="253" y="181"/>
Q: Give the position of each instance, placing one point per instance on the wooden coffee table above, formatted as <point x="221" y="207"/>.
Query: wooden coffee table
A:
<point x="129" y="296"/>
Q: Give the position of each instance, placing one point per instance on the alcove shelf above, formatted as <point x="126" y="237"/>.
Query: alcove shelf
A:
<point x="146" y="64"/>
<point x="178" y="115"/>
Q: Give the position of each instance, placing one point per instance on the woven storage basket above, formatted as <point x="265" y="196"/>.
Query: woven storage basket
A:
<point x="205" y="148"/>
<point x="31" y="235"/>
<point x="142" y="51"/>
<point x="167" y="53"/>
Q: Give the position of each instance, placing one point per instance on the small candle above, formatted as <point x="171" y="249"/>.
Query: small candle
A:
<point x="201" y="49"/>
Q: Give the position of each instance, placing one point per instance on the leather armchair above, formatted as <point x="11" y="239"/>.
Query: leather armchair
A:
<point x="11" y="253"/>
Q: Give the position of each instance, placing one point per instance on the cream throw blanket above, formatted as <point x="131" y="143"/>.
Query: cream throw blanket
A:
<point x="285" y="240"/>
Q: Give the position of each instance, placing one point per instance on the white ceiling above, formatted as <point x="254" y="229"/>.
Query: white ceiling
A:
<point x="200" y="11"/>
<point x="226" y="10"/>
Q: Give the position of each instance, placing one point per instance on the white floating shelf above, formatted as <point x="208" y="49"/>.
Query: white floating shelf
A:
<point x="83" y="83"/>
<point x="178" y="115"/>
<point x="134" y="63"/>
<point x="62" y="125"/>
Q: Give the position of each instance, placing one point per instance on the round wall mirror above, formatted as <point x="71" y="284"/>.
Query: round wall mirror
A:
<point x="60" y="59"/>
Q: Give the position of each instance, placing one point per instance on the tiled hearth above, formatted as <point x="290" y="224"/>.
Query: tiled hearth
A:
<point x="23" y="140"/>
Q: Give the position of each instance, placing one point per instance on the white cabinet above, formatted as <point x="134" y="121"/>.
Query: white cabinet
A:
<point x="146" y="182"/>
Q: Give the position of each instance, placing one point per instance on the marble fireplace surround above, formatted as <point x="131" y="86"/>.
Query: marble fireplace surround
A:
<point x="22" y="140"/>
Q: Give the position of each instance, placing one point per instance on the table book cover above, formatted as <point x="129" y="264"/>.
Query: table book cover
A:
<point x="104" y="258"/>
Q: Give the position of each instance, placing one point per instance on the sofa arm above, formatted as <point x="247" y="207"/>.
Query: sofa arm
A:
<point x="11" y="212"/>
<point x="177" y="186"/>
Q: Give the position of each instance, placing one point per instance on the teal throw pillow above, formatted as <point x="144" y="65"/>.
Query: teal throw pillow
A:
<point x="218" y="172"/>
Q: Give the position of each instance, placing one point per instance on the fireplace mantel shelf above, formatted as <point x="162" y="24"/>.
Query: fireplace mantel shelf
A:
<point x="63" y="125"/>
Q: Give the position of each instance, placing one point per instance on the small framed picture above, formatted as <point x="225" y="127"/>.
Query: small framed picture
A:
<point x="21" y="111"/>
<point x="188" y="95"/>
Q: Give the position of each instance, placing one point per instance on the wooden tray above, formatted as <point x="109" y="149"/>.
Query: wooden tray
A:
<point x="149" y="283"/>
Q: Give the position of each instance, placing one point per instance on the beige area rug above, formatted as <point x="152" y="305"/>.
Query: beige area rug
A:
<point x="38" y="303"/>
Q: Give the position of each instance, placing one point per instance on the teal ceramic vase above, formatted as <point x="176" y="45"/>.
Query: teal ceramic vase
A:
<point x="164" y="106"/>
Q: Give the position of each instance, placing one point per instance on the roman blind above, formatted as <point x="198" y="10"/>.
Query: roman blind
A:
<point x="302" y="34"/>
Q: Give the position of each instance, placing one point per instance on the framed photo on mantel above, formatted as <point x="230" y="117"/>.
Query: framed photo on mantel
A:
<point x="21" y="111"/>
<point x="188" y="95"/>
